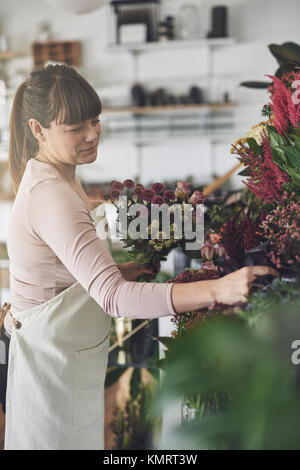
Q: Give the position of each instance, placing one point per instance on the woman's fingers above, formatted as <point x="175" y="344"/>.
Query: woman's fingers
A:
<point x="256" y="271"/>
<point x="235" y="287"/>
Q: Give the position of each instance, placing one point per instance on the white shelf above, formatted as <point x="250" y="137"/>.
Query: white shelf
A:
<point x="158" y="140"/>
<point x="10" y="55"/>
<point x="152" y="110"/>
<point x="168" y="45"/>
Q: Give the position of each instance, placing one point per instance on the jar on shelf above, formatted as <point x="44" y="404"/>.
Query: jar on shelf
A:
<point x="188" y="22"/>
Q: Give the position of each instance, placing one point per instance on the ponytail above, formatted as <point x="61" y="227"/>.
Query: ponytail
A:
<point x="22" y="144"/>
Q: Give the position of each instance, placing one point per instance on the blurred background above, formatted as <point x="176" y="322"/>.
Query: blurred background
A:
<point x="168" y="73"/>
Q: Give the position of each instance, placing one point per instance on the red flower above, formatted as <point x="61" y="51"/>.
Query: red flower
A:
<point x="148" y="194"/>
<point x="169" y="195"/>
<point x="129" y="184"/>
<point x="115" y="194"/>
<point x="158" y="188"/>
<point x="158" y="200"/>
<point x="117" y="185"/>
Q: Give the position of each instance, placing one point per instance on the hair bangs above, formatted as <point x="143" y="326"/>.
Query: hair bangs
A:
<point x="74" y="101"/>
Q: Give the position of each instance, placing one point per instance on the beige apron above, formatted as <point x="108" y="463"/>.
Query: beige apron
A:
<point x="56" y="373"/>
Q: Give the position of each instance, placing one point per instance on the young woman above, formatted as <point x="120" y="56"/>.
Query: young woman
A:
<point x="65" y="286"/>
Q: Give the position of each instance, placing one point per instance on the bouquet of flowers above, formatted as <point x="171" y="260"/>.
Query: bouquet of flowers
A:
<point x="154" y="220"/>
<point x="271" y="155"/>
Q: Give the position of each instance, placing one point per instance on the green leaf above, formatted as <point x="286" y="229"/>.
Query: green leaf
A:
<point x="113" y="376"/>
<point x="284" y="54"/>
<point x="295" y="176"/>
<point x="254" y="146"/>
<point x="256" y="84"/>
<point x="279" y="157"/>
<point x="244" y="172"/>
<point x="293" y="156"/>
<point x="275" y="137"/>
<point x="292" y="47"/>
<point x="283" y="69"/>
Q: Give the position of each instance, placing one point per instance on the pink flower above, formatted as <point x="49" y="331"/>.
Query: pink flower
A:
<point x="197" y="198"/>
<point x="169" y="195"/>
<point x="285" y="110"/>
<point x="265" y="178"/>
<point x="158" y="200"/>
<point x="117" y="185"/>
<point x="148" y="194"/>
<point x="158" y="188"/>
<point x="183" y="189"/>
<point x="129" y="184"/>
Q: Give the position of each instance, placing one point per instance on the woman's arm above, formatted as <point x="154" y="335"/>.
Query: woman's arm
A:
<point x="58" y="216"/>
<point x="228" y="290"/>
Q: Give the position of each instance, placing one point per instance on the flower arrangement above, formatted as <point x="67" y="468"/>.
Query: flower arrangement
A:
<point x="263" y="227"/>
<point x="268" y="220"/>
<point x="154" y="220"/>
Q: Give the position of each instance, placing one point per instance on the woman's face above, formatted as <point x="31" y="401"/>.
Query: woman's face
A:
<point x="74" y="144"/>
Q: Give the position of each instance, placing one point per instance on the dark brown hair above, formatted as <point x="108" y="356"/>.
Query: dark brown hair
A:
<point x="56" y="92"/>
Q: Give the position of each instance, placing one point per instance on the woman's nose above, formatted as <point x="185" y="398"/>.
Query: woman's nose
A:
<point x="92" y="134"/>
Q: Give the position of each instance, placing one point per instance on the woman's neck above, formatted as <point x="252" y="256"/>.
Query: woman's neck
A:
<point x="67" y="171"/>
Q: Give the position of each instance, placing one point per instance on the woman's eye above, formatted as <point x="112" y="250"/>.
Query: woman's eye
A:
<point x="75" y="130"/>
<point x="95" y="122"/>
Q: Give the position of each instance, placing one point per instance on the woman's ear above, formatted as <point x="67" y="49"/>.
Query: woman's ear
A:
<point x="36" y="130"/>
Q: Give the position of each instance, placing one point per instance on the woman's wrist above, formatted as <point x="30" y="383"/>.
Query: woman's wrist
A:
<point x="194" y="295"/>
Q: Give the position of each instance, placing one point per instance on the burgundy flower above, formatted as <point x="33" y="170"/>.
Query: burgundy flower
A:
<point x="148" y="194"/>
<point x="129" y="184"/>
<point x="115" y="194"/>
<point x="117" y="185"/>
<point x="197" y="198"/>
<point x="169" y="195"/>
<point x="158" y="200"/>
<point x="158" y="188"/>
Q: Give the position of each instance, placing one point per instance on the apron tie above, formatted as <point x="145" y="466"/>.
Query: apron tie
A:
<point x="5" y="310"/>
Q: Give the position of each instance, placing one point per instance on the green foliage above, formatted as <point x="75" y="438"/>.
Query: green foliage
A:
<point x="288" y="58"/>
<point x="247" y="360"/>
<point x="121" y="256"/>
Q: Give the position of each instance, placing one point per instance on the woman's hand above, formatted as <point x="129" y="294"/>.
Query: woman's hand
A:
<point x="229" y="290"/>
<point x="132" y="272"/>
<point x="234" y="287"/>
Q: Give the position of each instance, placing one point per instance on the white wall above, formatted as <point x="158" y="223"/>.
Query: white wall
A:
<point x="253" y="23"/>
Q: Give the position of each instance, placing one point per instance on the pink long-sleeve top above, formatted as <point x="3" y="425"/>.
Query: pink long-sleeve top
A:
<point x="52" y="243"/>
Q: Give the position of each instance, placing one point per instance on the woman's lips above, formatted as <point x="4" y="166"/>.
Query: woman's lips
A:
<point x="90" y="149"/>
